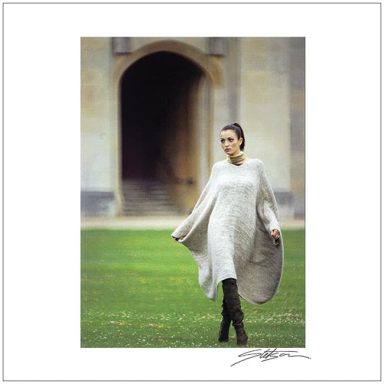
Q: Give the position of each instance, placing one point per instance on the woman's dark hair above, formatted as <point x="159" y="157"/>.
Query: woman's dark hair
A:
<point x="239" y="132"/>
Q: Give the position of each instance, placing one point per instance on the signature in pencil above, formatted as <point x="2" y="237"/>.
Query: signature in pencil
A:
<point x="267" y="355"/>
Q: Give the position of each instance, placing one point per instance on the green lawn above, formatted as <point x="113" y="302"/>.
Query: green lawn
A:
<point x="139" y="289"/>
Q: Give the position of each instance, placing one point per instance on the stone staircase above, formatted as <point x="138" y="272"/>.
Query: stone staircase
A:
<point x="146" y="198"/>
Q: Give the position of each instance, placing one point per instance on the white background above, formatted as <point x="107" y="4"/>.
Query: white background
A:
<point x="42" y="189"/>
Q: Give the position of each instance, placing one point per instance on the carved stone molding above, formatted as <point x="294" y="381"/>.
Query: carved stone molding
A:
<point x="121" y="45"/>
<point x="217" y="46"/>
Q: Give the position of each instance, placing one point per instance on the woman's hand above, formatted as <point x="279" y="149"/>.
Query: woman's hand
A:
<point x="275" y="234"/>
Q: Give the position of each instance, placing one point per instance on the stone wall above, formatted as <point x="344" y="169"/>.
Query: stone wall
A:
<point x="258" y="82"/>
<point x="98" y="171"/>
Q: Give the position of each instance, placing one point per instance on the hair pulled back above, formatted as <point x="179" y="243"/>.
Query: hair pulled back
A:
<point x="239" y="132"/>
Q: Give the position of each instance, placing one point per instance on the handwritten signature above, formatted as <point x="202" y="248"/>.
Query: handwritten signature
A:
<point x="267" y="355"/>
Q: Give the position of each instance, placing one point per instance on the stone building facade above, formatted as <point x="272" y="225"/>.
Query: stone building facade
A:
<point x="152" y="109"/>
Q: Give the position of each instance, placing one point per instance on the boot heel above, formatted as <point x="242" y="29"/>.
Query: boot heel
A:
<point x="241" y="336"/>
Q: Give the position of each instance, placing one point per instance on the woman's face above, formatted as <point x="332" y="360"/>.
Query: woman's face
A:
<point x="230" y="143"/>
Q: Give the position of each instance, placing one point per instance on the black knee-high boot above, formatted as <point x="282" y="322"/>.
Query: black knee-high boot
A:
<point x="225" y="323"/>
<point x="232" y="301"/>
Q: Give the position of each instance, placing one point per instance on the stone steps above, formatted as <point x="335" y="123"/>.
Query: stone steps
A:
<point x="146" y="197"/>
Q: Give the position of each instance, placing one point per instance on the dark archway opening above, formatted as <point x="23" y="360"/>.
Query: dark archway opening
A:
<point x="158" y="105"/>
<point x="163" y="98"/>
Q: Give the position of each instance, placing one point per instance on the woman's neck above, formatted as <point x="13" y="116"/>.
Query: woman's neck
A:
<point x="237" y="159"/>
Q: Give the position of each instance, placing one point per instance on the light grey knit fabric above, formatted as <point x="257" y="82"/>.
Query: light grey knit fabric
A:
<point x="228" y="232"/>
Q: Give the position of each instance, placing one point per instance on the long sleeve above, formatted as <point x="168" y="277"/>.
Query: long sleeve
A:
<point x="186" y="226"/>
<point x="267" y="206"/>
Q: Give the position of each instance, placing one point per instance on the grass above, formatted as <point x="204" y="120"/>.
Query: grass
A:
<point x="139" y="289"/>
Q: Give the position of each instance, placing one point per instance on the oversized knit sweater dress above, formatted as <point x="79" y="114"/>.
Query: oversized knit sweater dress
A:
<point x="229" y="232"/>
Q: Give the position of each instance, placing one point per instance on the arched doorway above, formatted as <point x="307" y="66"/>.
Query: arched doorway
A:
<point x="163" y="97"/>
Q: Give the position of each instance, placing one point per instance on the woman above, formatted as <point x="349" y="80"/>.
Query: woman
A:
<point x="234" y="234"/>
